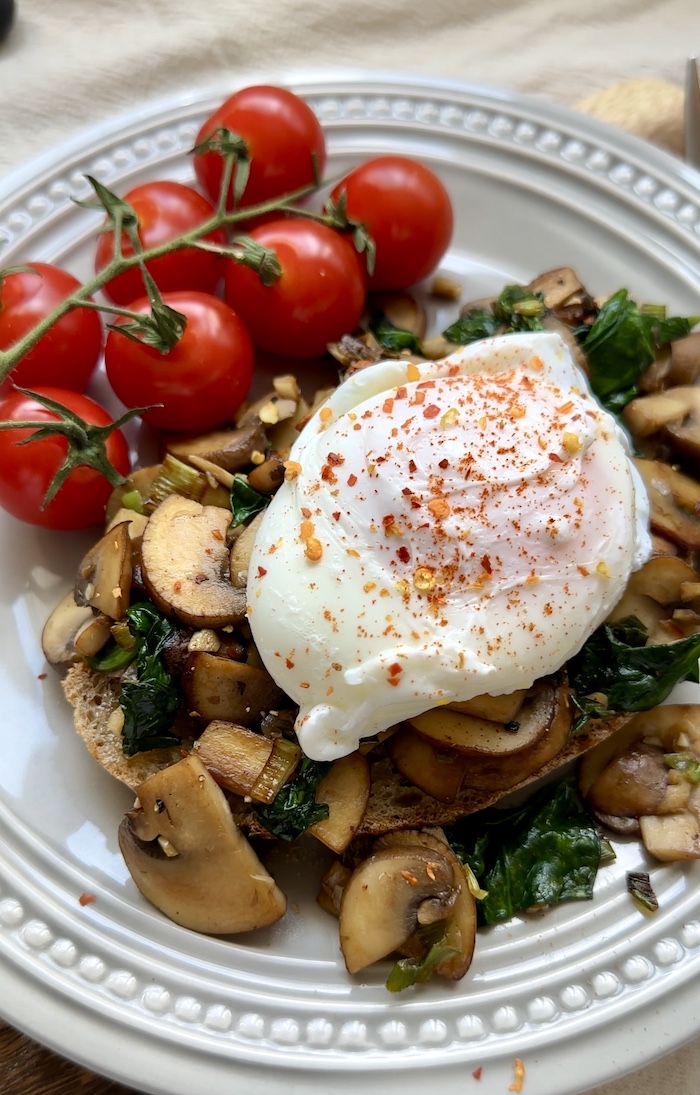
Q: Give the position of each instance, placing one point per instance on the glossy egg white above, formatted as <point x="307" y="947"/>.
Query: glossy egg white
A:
<point x="447" y="529"/>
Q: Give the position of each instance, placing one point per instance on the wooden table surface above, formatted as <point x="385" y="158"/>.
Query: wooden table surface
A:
<point x="28" y="1069"/>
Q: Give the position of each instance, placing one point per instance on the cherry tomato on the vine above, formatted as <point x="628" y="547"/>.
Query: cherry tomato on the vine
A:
<point x="318" y="298"/>
<point x="26" y="471"/>
<point x="407" y="211"/>
<point x="285" y="142"/>
<point x="201" y="382"/>
<point x="67" y="354"/>
<point x="165" y="210"/>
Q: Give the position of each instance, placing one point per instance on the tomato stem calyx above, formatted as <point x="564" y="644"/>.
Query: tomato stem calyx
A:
<point x="86" y="442"/>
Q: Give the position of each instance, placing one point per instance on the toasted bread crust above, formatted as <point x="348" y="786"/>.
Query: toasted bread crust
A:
<point x="392" y="804"/>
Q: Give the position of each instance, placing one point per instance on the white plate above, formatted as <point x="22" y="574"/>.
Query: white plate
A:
<point x="581" y="995"/>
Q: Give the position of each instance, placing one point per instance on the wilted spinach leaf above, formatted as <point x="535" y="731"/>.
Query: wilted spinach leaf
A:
<point x="632" y="676"/>
<point x="245" y="500"/>
<point x="621" y="344"/>
<point x="542" y="853"/>
<point x="150" y="700"/>
<point x="516" y="309"/>
<point x="394" y="340"/>
<point x="295" y="808"/>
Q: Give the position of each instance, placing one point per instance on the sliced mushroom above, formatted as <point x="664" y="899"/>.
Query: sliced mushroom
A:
<point x="387" y="897"/>
<point x="499" y="771"/>
<point x="104" y="575"/>
<point x="469" y="734"/>
<point x="268" y="476"/>
<point x="460" y="927"/>
<point x="228" y="449"/>
<point x="439" y="772"/>
<point x="401" y="309"/>
<point x="634" y="774"/>
<point x="634" y="783"/>
<point x="685" y="359"/>
<point x="345" y="789"/>
<point x="241" y="551"/>
<point x="220" y="688"/>
<point x="648" y="414"/>
<point x="675" y="502"/>
<point x="60" y="630"/>
<point x="187" y="857"/>
<point x="494" y="708"/>
<point x="653" y="591"/>
<point x="93" y="635"/>
<point x="185" y="562"/>
<point x="557" y="286"/>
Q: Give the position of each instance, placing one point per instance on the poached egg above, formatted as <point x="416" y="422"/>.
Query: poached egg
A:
<point x="446" y="529"/>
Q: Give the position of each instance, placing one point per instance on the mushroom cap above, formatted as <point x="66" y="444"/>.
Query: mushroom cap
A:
<point x="384" y="901"/>
<point x="185" y="561"/>
<point x="188" y="858"/>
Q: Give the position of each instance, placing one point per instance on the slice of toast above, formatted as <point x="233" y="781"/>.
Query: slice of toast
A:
<point x="392" y="804"/>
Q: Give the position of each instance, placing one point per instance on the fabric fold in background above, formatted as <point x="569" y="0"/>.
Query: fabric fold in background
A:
<point x="67" y="64"/>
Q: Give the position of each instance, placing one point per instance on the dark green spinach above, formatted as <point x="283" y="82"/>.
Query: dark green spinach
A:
<point x="393" y="340"/>
<point x="516" y="309"/>
<point x="542" y="853"/>
<point x="295" y="808"/>
<point x="245" y="500"/>
<point x="632" y="676"/>
<point x="149" y="700"/>
<point x="621" y="344"/>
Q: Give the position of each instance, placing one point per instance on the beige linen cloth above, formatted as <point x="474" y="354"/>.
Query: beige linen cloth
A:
<point x="70" y="63"/>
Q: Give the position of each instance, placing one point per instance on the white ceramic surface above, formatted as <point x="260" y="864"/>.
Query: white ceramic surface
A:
<point x="580" y="995"/>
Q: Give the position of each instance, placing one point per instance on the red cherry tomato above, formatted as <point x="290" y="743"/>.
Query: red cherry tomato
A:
<point x="67" y="354"/>
<point x="408" y="213"/>
<point x="164" y="210"/>
<point x="284" y="138"/>
<point x="319" y="297"/>
<point x="201" y="382"/>
<point x="26" y="471"/>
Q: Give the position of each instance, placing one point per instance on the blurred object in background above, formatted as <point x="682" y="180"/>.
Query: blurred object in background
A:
<point x="7" y="14"/>
<point x="651" y="108"/>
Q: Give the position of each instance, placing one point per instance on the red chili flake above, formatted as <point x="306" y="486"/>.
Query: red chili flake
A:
<point x="352" y="479"/>
<point x="217" y="534"/>
<point x="555" y="458"/>
<point x="388" y="406"/>
<point x="477" y="1073"/>
<point x="431" y="411"/>
<point x="87" y="898"/>
<point x="388" y="520"/>
<point x="42" y="676"/>
<point x="328" y="475"/>
<point x="289" y="663"/>
<point x="401" y="392"/>
<point x="444" y="464"/>
<point x="261" y="572"/>
<point x="335" y="459"/>
<point x="486" y="563"/>
<point x="407" y="491"/>
<point x="305" y="512"/>
<point x="336" y="515"/>
<point x="395" y="669"/>
<point x="412" y="466"/>
<point x="393" y="681"/>
<point x="404" y="554"/>
<point x="426" y="384"/>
